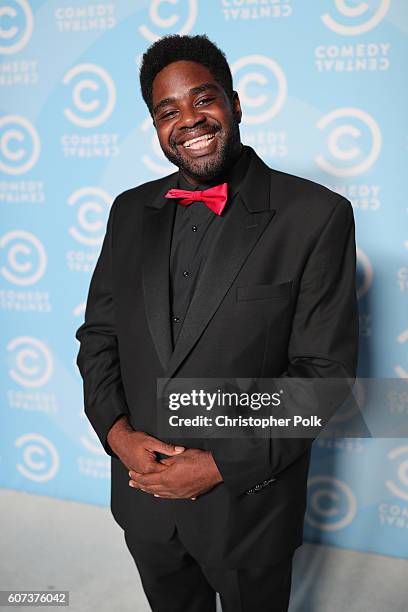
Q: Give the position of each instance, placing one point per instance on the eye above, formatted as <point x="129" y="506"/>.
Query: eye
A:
<point x="206" y="100"/>
<point x="167" y="115"/>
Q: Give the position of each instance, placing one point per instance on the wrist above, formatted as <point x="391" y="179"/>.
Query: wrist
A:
<point x="214" y="469"/>
<point x="119" y="430"/>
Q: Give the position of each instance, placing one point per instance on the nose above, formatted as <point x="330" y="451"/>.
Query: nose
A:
<point x="190" y="116"/>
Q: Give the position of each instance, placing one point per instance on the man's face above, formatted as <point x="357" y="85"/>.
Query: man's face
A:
<point x="196" y="123"/>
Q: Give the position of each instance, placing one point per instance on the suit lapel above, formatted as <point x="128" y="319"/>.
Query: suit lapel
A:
<point x="247" y="219"/>
<point x="235" y="241"/>
<point x="158" y="217"/>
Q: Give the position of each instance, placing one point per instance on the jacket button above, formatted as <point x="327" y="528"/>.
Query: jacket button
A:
<point x="176" y="319"/>
<point x="194" y="228"/>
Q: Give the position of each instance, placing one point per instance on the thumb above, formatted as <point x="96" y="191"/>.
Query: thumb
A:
<point x="167" y="461"/>
<point x="163" y="447"/>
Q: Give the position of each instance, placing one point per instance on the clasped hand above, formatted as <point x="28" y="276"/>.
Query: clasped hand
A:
<point x="185" y="473"/>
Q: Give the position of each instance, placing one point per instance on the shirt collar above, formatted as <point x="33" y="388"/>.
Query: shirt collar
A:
<point x="234" y="176"/>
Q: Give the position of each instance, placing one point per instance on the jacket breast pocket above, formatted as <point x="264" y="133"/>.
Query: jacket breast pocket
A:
<point x="276" y="291"/>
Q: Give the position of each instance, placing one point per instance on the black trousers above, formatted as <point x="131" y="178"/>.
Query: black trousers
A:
<point x="174" y="581"/>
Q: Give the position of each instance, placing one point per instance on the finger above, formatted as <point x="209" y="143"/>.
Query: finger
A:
<point x="134" y="475"/>
<point x="148" y="480"/>
<point x="151" y="488"/>
<point x="162" y="447"/>
<point x="168" y="461"/>
<point x="137" y="475"/>
<point x="135" y="485"/>
<point x="152" y="467"/>
<point x="167" y="495"/>
<point x="155" y="491"/>
<point x="158" y="491"/>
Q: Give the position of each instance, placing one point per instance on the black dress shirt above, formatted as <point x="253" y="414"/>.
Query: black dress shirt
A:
<point x="195" y="228"/>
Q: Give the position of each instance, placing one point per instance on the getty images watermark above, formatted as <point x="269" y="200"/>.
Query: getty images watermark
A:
<point x="282" y="407"/>
<point x="222" y="399"/>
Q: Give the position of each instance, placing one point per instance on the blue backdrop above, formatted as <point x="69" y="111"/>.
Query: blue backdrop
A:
<point x="323" y="87"/>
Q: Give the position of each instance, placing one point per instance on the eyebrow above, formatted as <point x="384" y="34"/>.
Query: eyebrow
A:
<point x="192" y="91"/>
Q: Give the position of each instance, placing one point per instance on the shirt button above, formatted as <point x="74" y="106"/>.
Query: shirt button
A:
<point x="194" y="228"/>
<point x="176" y="319"/>
<point x="185" y="273"/>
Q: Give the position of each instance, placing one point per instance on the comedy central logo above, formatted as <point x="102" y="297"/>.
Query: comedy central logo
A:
<point x="40" y="460"/>
<point x="32" y="363"/>
<point x="26" y="259"/>
<point x="19" y="144"/>
<point x="16" y="25"/>
<point x="355" y="17"/>
<point x="262" y="87"/>
<point x="92" y="205"/>
<point x="400" y="488"/>
<point x="93" y="95"/>
<point x="353" y="142"/>
<point x="332" y="504"/>
<point x="164" y="19"/>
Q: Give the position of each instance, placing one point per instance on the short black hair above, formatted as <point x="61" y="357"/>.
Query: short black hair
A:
<point x="176" y="47"/>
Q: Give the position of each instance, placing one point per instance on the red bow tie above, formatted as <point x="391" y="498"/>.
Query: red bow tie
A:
<point x="214" y="197"/>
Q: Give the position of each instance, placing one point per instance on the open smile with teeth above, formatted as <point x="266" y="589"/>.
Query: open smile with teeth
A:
<point x="199" y="143"/>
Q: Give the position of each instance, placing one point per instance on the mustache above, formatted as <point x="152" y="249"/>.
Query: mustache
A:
<point x="211" y="129"/>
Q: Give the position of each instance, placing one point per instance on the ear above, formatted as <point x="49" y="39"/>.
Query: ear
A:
<point x="236" y="106"/>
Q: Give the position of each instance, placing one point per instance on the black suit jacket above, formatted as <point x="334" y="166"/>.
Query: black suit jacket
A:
<point x="276" y="298"/>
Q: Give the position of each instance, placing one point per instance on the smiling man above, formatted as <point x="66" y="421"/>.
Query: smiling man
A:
<point x="209" y="146"/>
<point x="225" y="268"/>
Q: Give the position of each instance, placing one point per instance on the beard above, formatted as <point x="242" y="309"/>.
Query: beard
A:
<point x="208" y="167"/>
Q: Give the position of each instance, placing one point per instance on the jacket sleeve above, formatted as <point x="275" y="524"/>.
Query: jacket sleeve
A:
<point x="323" y="343"/>
<point x="98" y="358"/>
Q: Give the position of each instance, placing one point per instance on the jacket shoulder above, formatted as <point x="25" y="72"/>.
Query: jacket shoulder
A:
<point x="299" y="186"/>
<point x="299" y="194"/>
<point x="305" y="196"/>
